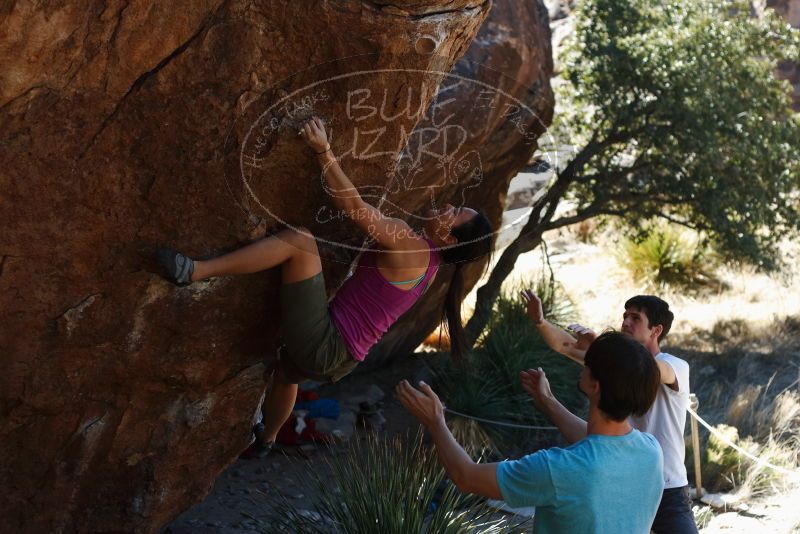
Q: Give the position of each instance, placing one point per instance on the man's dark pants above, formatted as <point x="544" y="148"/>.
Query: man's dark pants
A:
<point x="674" y="514"/>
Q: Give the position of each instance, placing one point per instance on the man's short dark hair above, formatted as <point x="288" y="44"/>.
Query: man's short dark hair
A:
<point x="627" y="372"/>
<point x="657" y="312"/>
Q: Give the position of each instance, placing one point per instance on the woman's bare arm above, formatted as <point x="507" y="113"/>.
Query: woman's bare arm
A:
<point x="389" y="232"/>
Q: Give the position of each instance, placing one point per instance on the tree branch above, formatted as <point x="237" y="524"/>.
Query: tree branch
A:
<point x="531" y="233"/>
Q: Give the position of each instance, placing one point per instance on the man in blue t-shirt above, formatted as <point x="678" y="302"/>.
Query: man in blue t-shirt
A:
<point x="609" y="482"/>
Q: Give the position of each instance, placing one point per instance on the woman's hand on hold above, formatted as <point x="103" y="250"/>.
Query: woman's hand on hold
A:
<point x="313" y="132"/>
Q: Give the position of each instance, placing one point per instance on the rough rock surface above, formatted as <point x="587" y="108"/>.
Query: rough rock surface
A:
<point x="123" y="124"/>
<point x="489" y="113"/>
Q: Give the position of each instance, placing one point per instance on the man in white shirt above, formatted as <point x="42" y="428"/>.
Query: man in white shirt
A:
<point x="647" y="319"/>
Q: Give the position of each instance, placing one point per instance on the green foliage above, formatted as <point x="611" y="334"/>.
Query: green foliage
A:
<point x="677" y="114"/>
<point x="386" y="486"/>
<point x="665" y="256"/>
<point x="487" y="385"/>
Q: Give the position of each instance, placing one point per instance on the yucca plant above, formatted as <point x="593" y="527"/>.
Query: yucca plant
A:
<point x="510" y="330"/>
<point x="665" y="256"/>
<point x="486" y="385"/>
<point x="468" y="389"/>
<point x="557" y="306"/>
<point x="384" y="485"/>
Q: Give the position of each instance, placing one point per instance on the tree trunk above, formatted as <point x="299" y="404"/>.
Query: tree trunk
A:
<point x="488" y="292"/>
<point x="530" y="236"/>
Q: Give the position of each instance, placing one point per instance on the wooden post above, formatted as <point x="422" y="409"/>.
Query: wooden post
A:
<point x="698" y="480"/>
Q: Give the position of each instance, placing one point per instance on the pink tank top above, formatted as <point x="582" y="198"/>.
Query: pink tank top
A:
<point x="367" y="304"/>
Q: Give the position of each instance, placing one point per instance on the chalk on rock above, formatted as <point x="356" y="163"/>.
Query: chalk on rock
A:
<point x="374" y="394"/>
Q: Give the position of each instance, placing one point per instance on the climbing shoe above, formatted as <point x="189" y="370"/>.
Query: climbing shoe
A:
<point x="257" y="449"/>
<point x="175" y="267"/>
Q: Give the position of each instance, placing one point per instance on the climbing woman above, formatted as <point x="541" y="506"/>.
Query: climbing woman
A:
<point x="325" y="341"/>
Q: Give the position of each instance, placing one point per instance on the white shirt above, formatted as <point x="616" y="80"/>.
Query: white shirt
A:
<point x="666" y="420"/>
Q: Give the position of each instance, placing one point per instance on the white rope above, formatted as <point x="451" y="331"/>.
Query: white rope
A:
<point x="499" y="423"/>
<point x="694" y="414"/>
<point x="740" y="450"/>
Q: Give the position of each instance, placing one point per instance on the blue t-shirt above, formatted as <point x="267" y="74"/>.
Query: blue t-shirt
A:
<point x="599" y="484"/>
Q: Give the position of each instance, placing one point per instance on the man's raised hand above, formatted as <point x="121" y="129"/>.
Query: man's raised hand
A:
<point x="534" y="304"/>
<point x="584" y="337"/>
<point x="423" y="404"/>
<point x="535" y="383"/>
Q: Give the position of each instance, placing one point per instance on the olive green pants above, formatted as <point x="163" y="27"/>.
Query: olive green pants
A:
<point x="315" y="349"/>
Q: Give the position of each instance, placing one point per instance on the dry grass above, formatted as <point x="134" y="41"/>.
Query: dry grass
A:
<point x="747" y="381"/>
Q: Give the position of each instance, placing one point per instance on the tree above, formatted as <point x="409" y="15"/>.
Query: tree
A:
<point x="678" y="116"/>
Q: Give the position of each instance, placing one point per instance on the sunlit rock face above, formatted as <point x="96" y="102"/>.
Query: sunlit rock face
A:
<point x="128" y="125"/>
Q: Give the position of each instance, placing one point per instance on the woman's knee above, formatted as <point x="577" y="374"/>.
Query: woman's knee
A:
<point x="301" y="238"/>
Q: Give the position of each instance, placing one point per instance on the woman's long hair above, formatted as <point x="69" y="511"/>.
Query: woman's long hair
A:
<point x="474" y="242"/>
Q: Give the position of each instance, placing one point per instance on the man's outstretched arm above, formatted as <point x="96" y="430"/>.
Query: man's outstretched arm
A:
<point x="467" y="475"/>
<point x="535" y="382"/>
<point x="555" y="337"/>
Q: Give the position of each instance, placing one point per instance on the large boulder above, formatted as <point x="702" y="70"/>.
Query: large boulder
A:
<point x="128" y="125"/>
<point x="481" y="129"/>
